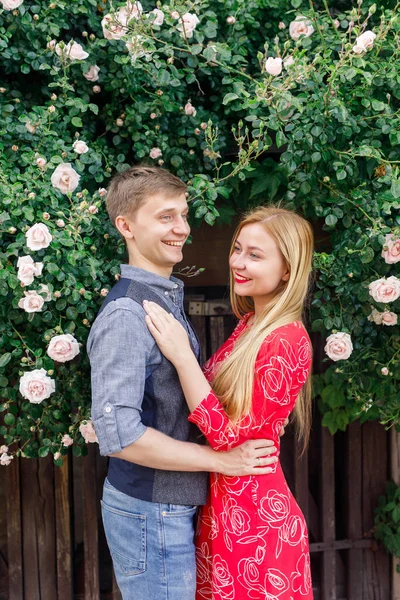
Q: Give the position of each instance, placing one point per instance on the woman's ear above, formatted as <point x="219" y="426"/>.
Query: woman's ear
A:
<point x="286" y="276"/>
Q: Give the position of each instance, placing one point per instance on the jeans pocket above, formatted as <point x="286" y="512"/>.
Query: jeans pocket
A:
<point x="126" y="538"/>
<point x="179" y="510"/>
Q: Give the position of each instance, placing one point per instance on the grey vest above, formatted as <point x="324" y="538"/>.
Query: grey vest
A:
<point x="164" y="408"/>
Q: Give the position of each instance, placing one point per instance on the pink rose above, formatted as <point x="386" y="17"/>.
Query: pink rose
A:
<point x="389" y="318"/>
<point x="375" y="317"/>
<point x="339" y="346"/>
<point x="72" y="50"/>
<point x="5" y="459"/>
<point x="67" y="440"/>
<point x="288" y="62"/>
<point x="60" y="223"/>
<point x="273" y="66"/>
<point x="155" y="153"/>
<point x="63" y="348"/>
<point x="27" y="269"/>
<point x="93" y="73"/>
<point x="188" y="24"/>
<point x="385" y="371"/>
<point x="300" y="26"/>
<point x="174" y="14"/>
<point x="159" y="16"/>
<point x="93" y="209"/>
<point x="31" y="128"/>
<point x="36" y="386"/>
<point x="32" y="302"/>
<point x="65" y="178"/>
<point x="41" y="162"/>
<point x="51" y="44"/>
<point x="385" y="290"/>
<point x="231" y="20"/>
<point x="364" y="42"/>
<point x="38" y="237"/>
<point x="96" y="89"/>
<point x="115" y="24"/>
<point x="336" y="23"/>
<point x="3" y="449"/>
<point x="190" y="110"/>
<point x="11" y="4"/>
<point x="281" y="25"/>
<point x="80" y="147"/>
<point x="57" y="455"/>
<point x="391" y="249"/>
<point x="88" y="433"/>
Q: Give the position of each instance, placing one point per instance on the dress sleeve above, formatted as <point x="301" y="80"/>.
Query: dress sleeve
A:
<point x="281" y="369"/>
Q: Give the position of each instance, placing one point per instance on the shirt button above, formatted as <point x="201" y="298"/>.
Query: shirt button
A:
<point x="175" y="286"/>
<point x="166" y="293"/>
<point x="108" y="409"/>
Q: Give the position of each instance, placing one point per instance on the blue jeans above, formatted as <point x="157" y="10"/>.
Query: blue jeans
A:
<point x="151" y="545"/>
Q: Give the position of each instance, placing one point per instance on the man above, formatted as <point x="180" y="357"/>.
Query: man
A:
<point x="158" y="470"/>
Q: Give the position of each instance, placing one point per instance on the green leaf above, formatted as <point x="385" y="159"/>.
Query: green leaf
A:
<point x="9" y="419"/>
<point x="5" y="359"/>
<point x="229" y="98"/>
<point x="331" y="220"/>
<point x="395" y="188"/>
<point x="378" y="105"/>
<point x="76" y="122"/>
<point x="281" y="139"/>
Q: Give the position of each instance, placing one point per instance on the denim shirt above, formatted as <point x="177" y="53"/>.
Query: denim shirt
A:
<point x="122" y="354"/>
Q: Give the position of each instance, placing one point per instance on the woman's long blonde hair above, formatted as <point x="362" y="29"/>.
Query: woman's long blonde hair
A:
<point x="234" y="380"/>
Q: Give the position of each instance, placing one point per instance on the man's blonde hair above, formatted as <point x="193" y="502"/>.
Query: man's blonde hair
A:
<point x="234" y="380"/>
<point x="130" y="189"/>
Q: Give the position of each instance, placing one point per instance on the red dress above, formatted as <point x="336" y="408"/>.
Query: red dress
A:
<point x="252" y="539"/>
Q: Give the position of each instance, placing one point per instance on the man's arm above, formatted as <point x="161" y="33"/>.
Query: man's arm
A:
<point x="156" y="450"/>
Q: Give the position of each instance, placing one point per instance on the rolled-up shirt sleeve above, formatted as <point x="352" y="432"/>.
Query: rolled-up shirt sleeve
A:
<point x="121" y="352"/>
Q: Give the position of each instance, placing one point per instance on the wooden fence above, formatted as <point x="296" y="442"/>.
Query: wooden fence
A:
<point x="52" y="545"/>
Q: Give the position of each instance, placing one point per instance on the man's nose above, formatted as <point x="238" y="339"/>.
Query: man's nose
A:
<point x="182" y="227"/>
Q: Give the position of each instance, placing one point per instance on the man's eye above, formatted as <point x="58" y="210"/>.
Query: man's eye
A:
<point x="185" y="217"/>
<point x="166" y="217"/>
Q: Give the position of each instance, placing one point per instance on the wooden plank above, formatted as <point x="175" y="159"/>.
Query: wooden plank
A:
<point x="328" y="563"/>
<point x="63" y="530"/>
<point x="395" y="475"/>
<point x="354" y="510"/>
<point x="29" y="494"/>
<point x="376" y="578"/>
<point x="217" y="333"/>
<point x="116" y="594"/>
<point x="46" y="530"/>
<point x="14" y="531"/>
<point x="90" y="525"/>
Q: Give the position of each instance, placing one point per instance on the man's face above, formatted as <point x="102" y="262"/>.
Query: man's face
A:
<point x="157" y="234"/>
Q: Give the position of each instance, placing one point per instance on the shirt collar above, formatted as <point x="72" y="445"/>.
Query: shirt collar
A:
<point x="157" y="282"/>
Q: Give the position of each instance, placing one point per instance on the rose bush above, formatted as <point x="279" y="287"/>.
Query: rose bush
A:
<point x="248" y="102"/>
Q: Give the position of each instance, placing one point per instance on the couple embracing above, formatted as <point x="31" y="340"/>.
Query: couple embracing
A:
<point x="194" y="484"/>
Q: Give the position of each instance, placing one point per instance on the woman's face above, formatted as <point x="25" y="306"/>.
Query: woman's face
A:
<point x="257" y="265"/>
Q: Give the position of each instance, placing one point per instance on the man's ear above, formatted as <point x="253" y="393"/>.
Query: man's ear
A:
<point x="124" y="226"/>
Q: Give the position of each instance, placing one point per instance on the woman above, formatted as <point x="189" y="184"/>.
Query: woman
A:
<point x="252" y="538"/>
